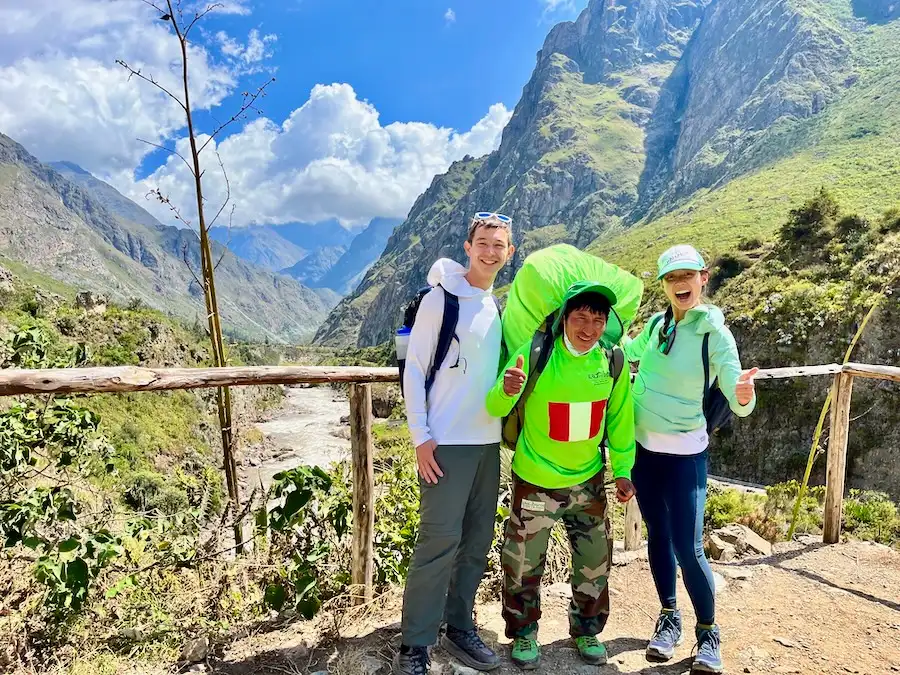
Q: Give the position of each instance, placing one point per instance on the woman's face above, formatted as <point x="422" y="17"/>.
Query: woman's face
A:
<point x="684" y="288"/>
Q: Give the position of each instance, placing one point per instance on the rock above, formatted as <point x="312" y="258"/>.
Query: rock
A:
<point x="719" y="549"/>
<point x="94" y="303"/>
<point x="560" y="590"/>
<point x="372" y="665"/>
<point x="197" y="668"/>
<point x="458" y="669"/>
<point x="744" y="539"/>
<point x="786" y="669"/>
<point x="784" y="642"/>
<point x="195" y="650"/>
<point x="720" y="582"/>
<point x="345" y="419"/>
<point x="736" y="574"/>
<point x="628" y="557"/>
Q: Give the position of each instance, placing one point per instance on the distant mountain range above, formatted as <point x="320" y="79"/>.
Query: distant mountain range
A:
<point x="62" y="221"/>
<point x="319" y="255"/>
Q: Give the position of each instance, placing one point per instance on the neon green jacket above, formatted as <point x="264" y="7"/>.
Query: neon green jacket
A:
<point x="668" y="389"/>
<point x="572" y="402"/>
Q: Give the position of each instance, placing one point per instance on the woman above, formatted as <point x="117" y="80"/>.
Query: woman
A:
<point x="671" y="432"/>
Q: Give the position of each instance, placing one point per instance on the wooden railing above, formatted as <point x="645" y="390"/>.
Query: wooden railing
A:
<point x="133" y="379"/>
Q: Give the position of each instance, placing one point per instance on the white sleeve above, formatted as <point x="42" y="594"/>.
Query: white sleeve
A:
<point x="419" y="356"/>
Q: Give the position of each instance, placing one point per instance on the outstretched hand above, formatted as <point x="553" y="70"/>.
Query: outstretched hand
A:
<point x="514" y="378"/>
<point x="745" y="387"/>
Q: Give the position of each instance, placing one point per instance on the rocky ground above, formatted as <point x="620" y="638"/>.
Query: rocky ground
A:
<point x="807" y="608"/>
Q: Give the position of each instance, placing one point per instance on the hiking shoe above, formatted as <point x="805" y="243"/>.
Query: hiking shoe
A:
<point x="526" y="653"/>
<point x="666" y="637"/>
<point x="709" y="655"/>
<point x="412" y="661"/>
<point x="467" y="646"/>
<point x="591" y="649"/>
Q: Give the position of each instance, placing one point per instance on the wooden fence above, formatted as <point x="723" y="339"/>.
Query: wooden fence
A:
<point x="133" y="379"/>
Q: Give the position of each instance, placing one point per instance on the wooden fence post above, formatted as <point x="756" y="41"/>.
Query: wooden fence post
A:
<point x="362" y="449"/>
<point x="837" y="456"/>
<point x="633" y="536"/>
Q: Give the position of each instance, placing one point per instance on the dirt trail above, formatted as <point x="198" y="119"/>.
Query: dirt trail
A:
<point x="306" y="430"/>
<point x="808" y="609"/>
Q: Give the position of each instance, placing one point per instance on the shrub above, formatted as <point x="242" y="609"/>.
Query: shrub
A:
<point x="872" y="515"/>
<point x="725" y="267"/>
<point x="725" y="506"/>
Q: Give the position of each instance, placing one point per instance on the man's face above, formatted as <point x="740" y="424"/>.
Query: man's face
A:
<point x="489" y="250"/>
<point x="584" y="328"/>
<point x="684" y="288"/>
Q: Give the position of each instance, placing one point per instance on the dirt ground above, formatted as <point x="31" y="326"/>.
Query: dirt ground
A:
<point x="808" y="608"/>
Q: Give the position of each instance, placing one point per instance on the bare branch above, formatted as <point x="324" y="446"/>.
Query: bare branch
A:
<point x="227" y="243"/>
<point x="137" y="73"/>
<point x="184" y="255"/>
<point x="227" y="192"/>
<point x="200" y="15"/>
<point x="162" y="199"/>
<point x="156" y="7"/>
<point x="171" y="151"/>
<point x="248" y="104"/>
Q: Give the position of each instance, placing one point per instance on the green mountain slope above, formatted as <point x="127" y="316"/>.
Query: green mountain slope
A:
<point x="645" y="122"/>
<point x="67" y="231"/>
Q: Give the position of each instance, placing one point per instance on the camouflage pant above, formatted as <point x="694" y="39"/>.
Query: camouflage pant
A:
<point x="534" y="512"/>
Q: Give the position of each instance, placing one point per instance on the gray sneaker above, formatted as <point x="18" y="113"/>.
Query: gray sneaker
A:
<point x="411" y="661"/>
<point x="467" y="647"/>
<point x="666" y="637"/>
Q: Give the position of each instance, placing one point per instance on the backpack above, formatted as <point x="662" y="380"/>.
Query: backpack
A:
<point x="541" y="347"/>
<point x="446" y="334"/>
<point x="716" y="408"/>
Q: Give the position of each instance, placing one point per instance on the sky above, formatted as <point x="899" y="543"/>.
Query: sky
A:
<point x="370" y="100"/>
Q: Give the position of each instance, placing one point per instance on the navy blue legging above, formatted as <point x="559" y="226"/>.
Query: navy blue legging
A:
<point x="671" y="491"/>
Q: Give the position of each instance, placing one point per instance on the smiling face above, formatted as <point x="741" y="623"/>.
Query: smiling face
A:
<point x="684" y="288"/>
<point x="584" y="327"/>
<point x="488" y="249"/>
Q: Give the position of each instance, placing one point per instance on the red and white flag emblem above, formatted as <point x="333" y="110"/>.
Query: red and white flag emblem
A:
<point x="576" y="421"/>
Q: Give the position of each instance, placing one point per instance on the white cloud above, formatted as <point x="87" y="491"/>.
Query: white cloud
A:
<point x="256" y="49"/>
<point x="63" y="97"/>
<point x="331" y="158"/>
<point x="551" y="6"/>
<point x="450" y="15"/>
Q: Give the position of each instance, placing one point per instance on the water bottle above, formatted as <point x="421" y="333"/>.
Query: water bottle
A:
<point x="401" y="342"/>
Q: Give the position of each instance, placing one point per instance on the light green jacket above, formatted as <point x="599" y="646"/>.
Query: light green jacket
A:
<point x="668" y="389"/>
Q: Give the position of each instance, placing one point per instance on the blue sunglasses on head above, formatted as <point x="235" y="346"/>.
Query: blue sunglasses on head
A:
<point x="487" y="215"/>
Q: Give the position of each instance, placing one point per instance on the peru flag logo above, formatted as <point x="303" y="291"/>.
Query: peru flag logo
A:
<point x="576" y="421"/>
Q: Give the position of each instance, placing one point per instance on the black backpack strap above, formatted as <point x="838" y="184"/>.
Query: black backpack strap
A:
<point x="446" y="335"/>
<point x="705" y="352"/>
<point x="616" y="363"/>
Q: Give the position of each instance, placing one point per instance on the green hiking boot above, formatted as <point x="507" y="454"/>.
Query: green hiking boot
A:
<point x="591" y="649"/>
<point x="526" y="653"/>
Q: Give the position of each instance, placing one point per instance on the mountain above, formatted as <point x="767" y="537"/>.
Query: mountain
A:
<point x="646" y="122"/>
<point x="82" y="232"/>
<point x="311" y="269"/>
<point x="341" y="268"/>
<point x="277" y="247"/>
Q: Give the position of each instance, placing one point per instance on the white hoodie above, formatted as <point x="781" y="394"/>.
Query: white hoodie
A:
<point x="454" y="412"/>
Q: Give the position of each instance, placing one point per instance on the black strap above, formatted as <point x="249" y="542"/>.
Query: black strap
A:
<point x="541" y="347"/>
<point x="655" y="322"/>
<point x="445" y="337"/>
<point x="705" y="352"/>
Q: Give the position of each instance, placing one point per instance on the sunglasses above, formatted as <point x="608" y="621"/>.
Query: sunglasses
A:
<point x="666" y="336"/>
<point x="487" y="215"/>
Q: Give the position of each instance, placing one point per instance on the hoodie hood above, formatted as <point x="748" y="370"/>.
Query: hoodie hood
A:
<point x="452" y="277"/>
<point x="709" y="318"/>
<point x="614" y="327"/>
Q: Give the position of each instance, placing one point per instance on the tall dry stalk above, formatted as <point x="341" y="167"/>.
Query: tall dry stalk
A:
<point x="173" y="14"/>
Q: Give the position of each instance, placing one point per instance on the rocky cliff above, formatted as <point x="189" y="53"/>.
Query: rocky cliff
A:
<point x="630" y="110"/>
<point x="67" y="229"/>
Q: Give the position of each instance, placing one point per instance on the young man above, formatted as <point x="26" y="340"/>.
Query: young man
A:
<point x="558" y="472"/>
<point x="458" y="452"/>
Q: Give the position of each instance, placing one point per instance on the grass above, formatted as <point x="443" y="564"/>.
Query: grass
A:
<point x="850" y="148"/>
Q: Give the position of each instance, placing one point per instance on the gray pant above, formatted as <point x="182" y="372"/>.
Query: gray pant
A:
<point x="455" y="535"/>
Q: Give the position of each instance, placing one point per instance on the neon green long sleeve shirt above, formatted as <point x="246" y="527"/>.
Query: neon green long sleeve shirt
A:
<point x="572" y="403"/>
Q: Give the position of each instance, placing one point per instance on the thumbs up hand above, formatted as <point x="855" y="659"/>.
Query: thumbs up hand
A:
<point x="745" y="387"/>
<point x="514" y="378"/>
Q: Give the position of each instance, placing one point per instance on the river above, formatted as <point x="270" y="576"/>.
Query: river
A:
<point x="306" y="430"/>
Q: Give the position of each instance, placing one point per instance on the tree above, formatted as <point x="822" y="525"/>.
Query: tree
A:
<point x="173" y="12"/>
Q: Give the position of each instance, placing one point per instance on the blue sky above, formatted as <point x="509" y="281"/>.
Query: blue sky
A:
<point x="371" y="100"/>
<point x="404" y="56"/>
